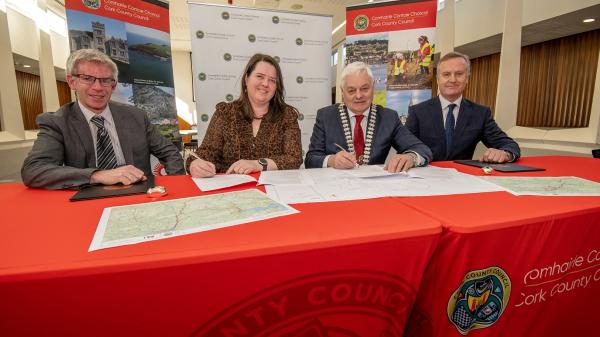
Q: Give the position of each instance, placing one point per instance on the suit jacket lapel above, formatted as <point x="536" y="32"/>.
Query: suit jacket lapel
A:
<point x="82" y="128"/>
<point x="438" y="120"/>
<point x="464" y="115"/>
<point x="121" y="125"/>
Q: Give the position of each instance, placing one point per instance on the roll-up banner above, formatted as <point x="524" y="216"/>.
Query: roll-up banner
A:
<point x="225" y="37"/>
<point x="397" y="40"/>
<point x="135" y="34"/>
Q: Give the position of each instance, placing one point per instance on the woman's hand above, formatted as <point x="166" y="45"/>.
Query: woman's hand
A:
<point x="244" y="166"/>
<point x="200" y="168"/>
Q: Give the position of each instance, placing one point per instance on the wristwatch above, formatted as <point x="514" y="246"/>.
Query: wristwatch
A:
<point x="264" y="163"/>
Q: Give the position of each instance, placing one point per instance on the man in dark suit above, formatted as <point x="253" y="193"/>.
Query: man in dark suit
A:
<point x="92" y="141"/>
<point x="359" y="132"/>
<point x="456" y="137"/>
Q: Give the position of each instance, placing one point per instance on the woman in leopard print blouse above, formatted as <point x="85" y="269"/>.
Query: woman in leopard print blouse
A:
<point x="256" y="132"/>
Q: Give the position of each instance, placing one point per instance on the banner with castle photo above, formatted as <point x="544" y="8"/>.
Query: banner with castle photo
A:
<point x="135" y="34"/>
<point x="225" y="37"/>
<point x="397" y="40"/>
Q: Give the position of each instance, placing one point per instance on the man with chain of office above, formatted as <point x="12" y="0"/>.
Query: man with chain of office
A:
<point x="358" y="132"/>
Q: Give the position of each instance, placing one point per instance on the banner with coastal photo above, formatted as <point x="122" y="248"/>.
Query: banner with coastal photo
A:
<point x="135" y="34"/>
<point x="397" y="40"/>
<point x="225" y="37"/>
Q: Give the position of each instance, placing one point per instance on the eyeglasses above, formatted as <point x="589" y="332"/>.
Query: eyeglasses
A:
<point x="90" y="80"/>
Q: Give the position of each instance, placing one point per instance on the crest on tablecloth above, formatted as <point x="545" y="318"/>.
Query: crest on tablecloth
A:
<point x="480" y="300"/>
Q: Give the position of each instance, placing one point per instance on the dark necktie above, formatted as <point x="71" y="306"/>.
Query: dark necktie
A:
<point x="449" y="129"/>
<point x="105" y="154"/>
<point x="359" y="138"/>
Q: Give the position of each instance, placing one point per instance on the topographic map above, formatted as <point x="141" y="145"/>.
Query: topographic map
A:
<point x="552" y="186"/>
<point x="131" y="224"/>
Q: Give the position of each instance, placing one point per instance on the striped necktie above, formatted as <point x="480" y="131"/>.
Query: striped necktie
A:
<point x="105" y="154"/>
<point x="449" y="129"/>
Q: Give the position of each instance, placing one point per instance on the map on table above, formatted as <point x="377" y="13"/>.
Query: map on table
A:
<point x="125" y="225"/>
<point x="550" y="186"/>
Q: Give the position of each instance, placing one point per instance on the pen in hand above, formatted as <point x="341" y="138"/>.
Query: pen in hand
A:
<point x="193" y="154"/>
<point x="339" y="147"/>
<point x="342" y="148"/>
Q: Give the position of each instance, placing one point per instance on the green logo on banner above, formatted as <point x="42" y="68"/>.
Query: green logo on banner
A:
<point x="299" y="79"/>
<point x="361" y="22"/>
<point x="275" y="19"/>
<point x="299" y="41"/>
<point x="202" y="76"/>
<point x="276" y="59"/>
<point x="200" y="34"/>
<point x="227" y="57"/>
<point x="225" y="15"/>
<point x="204" y="118"/>
<point x="480" y="300"/>
<point x="251" y="38"/>
<point x="92" y="4"/>
<point x="229" y="97"/>
<point x="300" y="117"/>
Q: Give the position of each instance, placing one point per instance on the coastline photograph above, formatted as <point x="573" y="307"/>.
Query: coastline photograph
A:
<point x="150" y="54"/>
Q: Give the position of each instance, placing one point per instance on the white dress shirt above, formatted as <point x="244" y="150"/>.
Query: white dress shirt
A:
<point x="109" y="125"/>
<point x="445" y="108"/>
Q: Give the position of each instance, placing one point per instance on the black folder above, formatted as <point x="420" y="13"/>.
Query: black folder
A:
<point x="505" y="167"/>
<point x="89" y="192"/>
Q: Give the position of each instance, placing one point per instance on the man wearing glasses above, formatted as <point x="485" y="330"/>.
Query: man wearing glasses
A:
<point x="92" y="140"/>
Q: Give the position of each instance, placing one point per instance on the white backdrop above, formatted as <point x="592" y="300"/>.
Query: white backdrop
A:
<point x="223" y="40"/>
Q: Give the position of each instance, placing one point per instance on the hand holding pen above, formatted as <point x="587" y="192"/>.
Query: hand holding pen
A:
<point x="342" y="159"/>
<point x="200" y="168"/>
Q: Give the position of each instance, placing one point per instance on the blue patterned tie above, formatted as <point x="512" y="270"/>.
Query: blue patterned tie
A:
<point x="449" y="129"/>
<point x="105" y="154"/>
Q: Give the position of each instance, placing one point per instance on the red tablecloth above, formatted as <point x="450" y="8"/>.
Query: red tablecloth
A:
<point x="513" y="266"/>
<point x="331" y="269"/>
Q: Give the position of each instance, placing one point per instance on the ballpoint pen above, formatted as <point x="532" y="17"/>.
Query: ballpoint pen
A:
<point x="193" y="154"/>
<point x="341" y="148"/>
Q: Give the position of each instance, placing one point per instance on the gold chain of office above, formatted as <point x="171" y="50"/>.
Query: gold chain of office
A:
<point x="364" y="158"/>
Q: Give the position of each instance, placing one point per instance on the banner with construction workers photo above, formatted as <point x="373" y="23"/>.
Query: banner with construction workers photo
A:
<point x="397" y="40"/>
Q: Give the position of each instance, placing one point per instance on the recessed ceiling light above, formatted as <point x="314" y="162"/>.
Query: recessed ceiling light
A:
<point x="589" y="20"/>
<point x="297" y="7"/>
<point x="26" y="66"/>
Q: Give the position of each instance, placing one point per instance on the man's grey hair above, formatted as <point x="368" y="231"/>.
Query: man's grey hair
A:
<point x="355" y="68"/>
<point x="90" y="55"/>
<point x="454" y="55"/>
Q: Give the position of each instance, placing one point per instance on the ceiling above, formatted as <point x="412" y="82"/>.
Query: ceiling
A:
<point x="553" y="28"/>
<point x="564" y="25"/>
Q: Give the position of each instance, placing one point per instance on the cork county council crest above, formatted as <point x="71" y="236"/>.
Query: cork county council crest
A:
<point x="92" y="4"/>
<point x="480" y="300"/>
<point x="361" y="22"/>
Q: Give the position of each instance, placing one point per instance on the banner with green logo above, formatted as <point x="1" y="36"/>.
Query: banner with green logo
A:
<point x="397" y="40"/>
<point x="225" y="37"/>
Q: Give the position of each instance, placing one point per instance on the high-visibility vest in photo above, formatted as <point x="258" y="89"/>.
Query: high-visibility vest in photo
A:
<point x="427" y="59"/>
<point x="399" y="67"/>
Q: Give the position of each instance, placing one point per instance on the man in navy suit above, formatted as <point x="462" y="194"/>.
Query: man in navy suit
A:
<point x="359" y="132"/>
<point x="456" y="137"/>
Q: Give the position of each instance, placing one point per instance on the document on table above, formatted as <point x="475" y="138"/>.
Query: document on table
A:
<point x="222" y="181"/>
<point x="547" y="186"/>
<point x="325" y="175"/>
<point x="125" y="225"/>
<point x="431" y="181"/>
